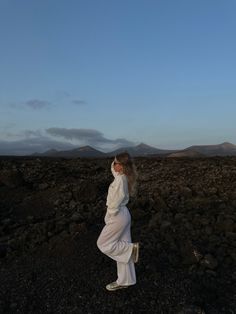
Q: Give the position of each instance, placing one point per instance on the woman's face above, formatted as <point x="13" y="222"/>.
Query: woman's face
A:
<point x="118" y="166"/>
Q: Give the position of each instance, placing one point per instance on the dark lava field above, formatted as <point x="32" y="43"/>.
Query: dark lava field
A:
<point x="184" y="216"/>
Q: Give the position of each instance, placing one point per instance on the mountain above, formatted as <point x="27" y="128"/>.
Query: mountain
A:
<point x="84" y="151"/>
<point x="223" y="149"/>
<point x="144" y="150"/>
<point x="50" y="152"/>
<point x="188" y="153"/>
<point x="141" y="150"/>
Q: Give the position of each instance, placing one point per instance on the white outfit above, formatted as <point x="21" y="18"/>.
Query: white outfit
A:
<point x="115" y="238"/>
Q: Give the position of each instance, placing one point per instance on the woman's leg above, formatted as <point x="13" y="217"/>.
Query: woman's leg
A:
<point x="109" y="241"/>
<point x="126" y="272"/>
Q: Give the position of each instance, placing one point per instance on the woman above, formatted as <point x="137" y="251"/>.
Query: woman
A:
<point x="115" y="238"/>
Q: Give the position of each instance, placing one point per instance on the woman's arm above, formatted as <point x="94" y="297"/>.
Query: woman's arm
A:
<point x="116" y="195"/>
<point x="115" y="174"/>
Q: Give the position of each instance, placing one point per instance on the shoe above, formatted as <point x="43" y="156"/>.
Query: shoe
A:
<point x="114" y="286"/>
<point x="135" y="252"/>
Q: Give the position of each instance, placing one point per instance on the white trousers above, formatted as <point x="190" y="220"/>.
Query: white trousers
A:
<point x="115" y="241"/>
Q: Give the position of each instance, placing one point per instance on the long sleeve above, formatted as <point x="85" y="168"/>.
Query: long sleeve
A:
<point x="115" y="174"/>
<point x="116" y="194"/>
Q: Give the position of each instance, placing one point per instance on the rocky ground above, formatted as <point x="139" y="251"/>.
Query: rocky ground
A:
<point x="184" y="215"/>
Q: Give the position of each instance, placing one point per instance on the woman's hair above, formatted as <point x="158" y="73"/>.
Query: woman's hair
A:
<point x="129" y="169"/>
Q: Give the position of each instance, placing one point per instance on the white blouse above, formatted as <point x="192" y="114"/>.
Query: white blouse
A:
<point x="118" y="193"/>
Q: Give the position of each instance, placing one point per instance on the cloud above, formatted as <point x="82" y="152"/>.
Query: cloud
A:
<point x="36" y="104"/>
<point x="79" y="134"/>
<point x="30" y="141"/>
<point x="79" y="102"/>
<point x="64" y="95"/>
<point x="30" y="133"/>
<point x="89" y="136"/>
<point x="21" y="134"/>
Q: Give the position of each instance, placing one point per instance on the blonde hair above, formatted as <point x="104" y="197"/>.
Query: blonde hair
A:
<point x="129" y="169"/>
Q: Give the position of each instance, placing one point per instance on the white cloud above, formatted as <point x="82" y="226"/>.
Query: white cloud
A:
<point x="89" y="136"/>
<point x="30" y="141"/>
<point x="37" y="104"/>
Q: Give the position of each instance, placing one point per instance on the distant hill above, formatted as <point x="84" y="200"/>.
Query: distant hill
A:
<point x="84" y="151"/>
<point x="187" y="153"/>
<point x="144" y="150"/>
<point x="140" y="150"/>
<point x="224" y="149"/>
<point x="50" y="152"/>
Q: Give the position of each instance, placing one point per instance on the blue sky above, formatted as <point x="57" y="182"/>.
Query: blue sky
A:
<point x="112" y="73"/>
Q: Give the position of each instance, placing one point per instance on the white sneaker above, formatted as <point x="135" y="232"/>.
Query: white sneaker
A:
<point x="114" y="286"/>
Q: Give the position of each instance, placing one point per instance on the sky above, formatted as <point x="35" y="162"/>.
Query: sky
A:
<point x="112" y="74"/>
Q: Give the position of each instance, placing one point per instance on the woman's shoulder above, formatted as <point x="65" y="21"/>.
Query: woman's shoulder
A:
<point x="120" y="177"/>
